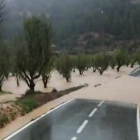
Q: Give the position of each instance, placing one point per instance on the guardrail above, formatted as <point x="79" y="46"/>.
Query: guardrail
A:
<point x="135" y="72"/>
<point x="137" y="69"/>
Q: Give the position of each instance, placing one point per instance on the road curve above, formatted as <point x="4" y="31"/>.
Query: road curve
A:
<point x="83" y="120"/>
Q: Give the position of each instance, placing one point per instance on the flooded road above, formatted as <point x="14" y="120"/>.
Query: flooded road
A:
<point x="123" y="89"/>
<point x="83" y="120"/>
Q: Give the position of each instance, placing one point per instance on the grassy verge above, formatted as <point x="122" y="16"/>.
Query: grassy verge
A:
<point x="32" y="100"/>
<point x="4" y="92"/>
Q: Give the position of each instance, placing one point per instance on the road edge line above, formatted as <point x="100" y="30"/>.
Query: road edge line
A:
<point x="138" y="122"/>
<point x="32" y="122"/>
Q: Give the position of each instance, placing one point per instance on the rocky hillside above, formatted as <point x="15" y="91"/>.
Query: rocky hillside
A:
<point x="82" y="25"/>
<point x="93" y="42"/>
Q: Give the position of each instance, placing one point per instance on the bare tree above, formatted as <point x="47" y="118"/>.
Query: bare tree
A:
<point x="35" y="52"/>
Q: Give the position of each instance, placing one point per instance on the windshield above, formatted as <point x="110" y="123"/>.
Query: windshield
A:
<point x="69" y="69"/>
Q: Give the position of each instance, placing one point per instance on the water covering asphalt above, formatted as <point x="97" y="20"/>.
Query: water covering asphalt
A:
<point x="110" y="122"/>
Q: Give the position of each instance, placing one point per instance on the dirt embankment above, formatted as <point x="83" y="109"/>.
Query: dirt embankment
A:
<point x="9" y="111"/>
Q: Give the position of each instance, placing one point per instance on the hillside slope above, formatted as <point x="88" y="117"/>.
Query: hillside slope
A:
<point x="93" y="42"/>
<point x="73" y="18"/>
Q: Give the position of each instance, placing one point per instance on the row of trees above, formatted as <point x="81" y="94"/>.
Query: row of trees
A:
<point x="99" y="62"/>
<point x="31" y="56"/>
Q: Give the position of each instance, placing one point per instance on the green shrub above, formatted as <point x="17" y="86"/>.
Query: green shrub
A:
<point x="101" y="62"/>
<point x="127" y="60"/>
<point x="58" y="65"/>
<point x="29" y="92"/>
<point x="81" y="63"/>
<point x="3" y="120"/>
<point x="66" y="67"/>
<point x="113" y="62"/>
<point x="120" y="56"/>
<point x="13" y="116"/>
<point x="26" y="105"/>
<point x="94" y="64"/>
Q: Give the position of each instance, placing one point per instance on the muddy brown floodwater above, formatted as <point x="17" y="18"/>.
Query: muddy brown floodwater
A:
<point x="125" y="88"/>
<point x="59" y="83"/>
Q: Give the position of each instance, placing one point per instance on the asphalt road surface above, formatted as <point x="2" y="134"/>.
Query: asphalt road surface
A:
<point x="83" y="120"/>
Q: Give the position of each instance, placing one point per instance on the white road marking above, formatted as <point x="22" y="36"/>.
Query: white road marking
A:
<point x="100" y="103"/>
<point x="82" y="126"/>
<point x="74" y="138"/>
<point x="92" y="113"/>
<point x="21" y="129"/>
<point x="138" y="122"/>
